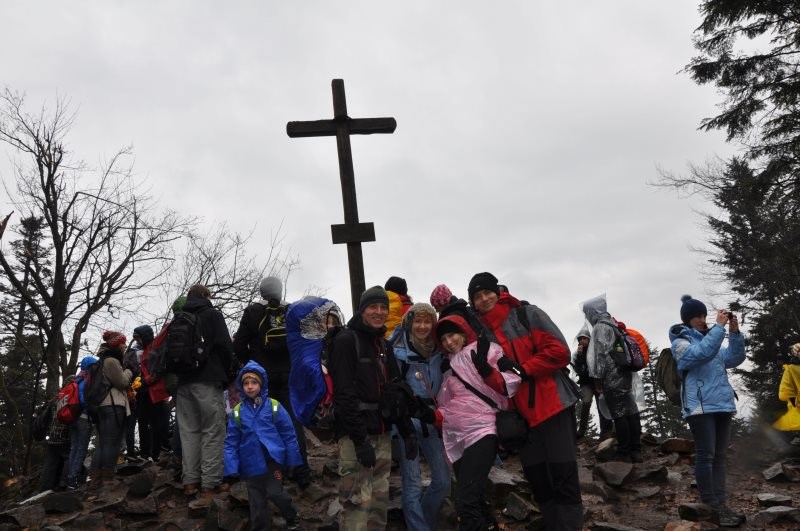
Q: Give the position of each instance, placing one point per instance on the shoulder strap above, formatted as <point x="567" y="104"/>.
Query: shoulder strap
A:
<point x="477" y="393"/>
<point x="275" y="405"/>
<point x="236" y="414"/>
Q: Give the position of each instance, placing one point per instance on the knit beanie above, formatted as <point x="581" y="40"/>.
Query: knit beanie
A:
<point x="253" y="375"/>
<point x="441" y="295"/>
<point x="448" y="327"/>
<point x="396" y="284"/>
<point x="114" y="339"/>
<point x="373" y="295"/>
<point x="271" y="288"/>
<point x="480" y="282"/>
<point x="179" y="303"/>
<point x="691" y="308"/>
<point x="418" y="308"/>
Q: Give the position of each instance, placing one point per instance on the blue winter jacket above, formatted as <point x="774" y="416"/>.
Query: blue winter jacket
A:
<point x="259" y="434"/>
<point x="411" y="364"/>
<point x="703" y="362"/>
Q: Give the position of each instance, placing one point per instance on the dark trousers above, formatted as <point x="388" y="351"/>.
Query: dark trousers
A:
<point x="279" y="390"/>
<point x="472" y="473"/>
<point x="110" y="429"/>
<point x="549" y="461"/>
<point x="264" y="489"/>
<point x="712" y="433"/>
<point x="54" y="469"/>
<point x="153" y="426"/>
<point x="629" y="434"/>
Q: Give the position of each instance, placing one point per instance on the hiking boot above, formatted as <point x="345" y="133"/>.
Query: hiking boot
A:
<point x="207" y="492"/>
<point x="730" y="518"/>
<point x="190" y="489"/>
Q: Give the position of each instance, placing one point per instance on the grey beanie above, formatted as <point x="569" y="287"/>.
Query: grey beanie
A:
<point x="271" y="288"/>
<point x="375" y="294"/>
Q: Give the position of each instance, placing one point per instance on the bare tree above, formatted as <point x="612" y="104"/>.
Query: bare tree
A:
<point x="105" y="237"/>
<point x="220" y="261"/>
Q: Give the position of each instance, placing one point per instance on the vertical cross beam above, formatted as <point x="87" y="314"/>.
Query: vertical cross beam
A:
<point x="352" y="232"/>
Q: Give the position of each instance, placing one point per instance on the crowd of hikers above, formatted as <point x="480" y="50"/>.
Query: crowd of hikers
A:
<point x="455" y="383"/>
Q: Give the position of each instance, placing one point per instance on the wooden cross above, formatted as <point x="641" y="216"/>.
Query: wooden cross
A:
<point x="351" y="232"/>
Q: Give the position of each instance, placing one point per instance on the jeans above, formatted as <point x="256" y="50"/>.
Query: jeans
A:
<point x="712" y="433"/>
<point x="264" y="489"/>
<point x="472" y="475"/>
<point x="79" y="434"/>
<point x="421" y="510"/>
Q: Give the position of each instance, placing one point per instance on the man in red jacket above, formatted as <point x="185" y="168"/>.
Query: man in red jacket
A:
<point x="536" y="350"/>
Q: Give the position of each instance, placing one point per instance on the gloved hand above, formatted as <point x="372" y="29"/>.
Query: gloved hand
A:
<point x="365" y="454"/>
<point x="412" y="450"/>
<point x="479" y="357"/>
<point x="137" y="383"/>
<point x="427" y="415"/>
<point x="508" y="365"/>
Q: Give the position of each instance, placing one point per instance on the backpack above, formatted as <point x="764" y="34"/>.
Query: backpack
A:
<point x="237" y="408"/>
<point x="41" y="423"/>
<point x="273" y="328"/>
<point x="627" y="354"/>
<point x="95" y="388"/>
<point x="68" y="402"/>
<point x="157" y="356"/>
<point x="185" y="349"/>
<point x="667" y="376"/>
<point x="323" y="416"/>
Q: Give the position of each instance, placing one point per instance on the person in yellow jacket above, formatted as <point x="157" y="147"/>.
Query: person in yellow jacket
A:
<point x="399" y="303"/>
<point x="788" y="392"/>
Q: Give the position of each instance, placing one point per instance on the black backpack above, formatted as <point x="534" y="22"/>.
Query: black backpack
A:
<point x="186" y="350"/>
<point x="272" y="328"/>
<point x="96" y="388"/>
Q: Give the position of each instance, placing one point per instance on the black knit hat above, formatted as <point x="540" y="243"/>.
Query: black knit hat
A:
<point x="375" y="294"/>
<point x="480" y="282"/>
<point x="691" y="308"/>
<point x="448" y="327"/>
<point x="396" y="284"/>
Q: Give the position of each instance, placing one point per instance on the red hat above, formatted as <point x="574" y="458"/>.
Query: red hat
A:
<point x="114" y="339"/>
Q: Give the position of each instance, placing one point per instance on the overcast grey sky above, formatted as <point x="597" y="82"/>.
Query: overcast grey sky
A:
<point x="527" y="134"/>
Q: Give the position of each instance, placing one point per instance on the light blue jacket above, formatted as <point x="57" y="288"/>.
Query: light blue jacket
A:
<point x="702" y="363"/>
<point x="411" y="363"/>
<point x="259" y="434"/>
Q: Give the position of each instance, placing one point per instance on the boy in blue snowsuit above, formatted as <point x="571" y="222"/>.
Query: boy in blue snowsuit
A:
<point x="260" y="443"/>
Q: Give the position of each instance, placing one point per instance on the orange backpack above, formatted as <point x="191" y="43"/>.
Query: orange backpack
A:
<point x="635" y="334"/>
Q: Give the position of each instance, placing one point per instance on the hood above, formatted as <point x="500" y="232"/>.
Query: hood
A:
<point x="462" y="325"/>
<point x="88" y="360"/>
<point x="252" y="366"/>
<point x="595" y="309"/>
<point x="195" y="304"/>
<point x="678" y="330"/>
<point x="585" y="331"/>
<point x="145" y="332"/>
<point x="310" y="314"/>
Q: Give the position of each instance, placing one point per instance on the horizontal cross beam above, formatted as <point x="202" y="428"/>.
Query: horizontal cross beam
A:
<point x="353" y="233"/>
<point x="355" y="126"/>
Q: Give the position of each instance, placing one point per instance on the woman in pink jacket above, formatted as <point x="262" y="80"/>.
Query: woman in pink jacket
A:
<point x="468" y="421"/>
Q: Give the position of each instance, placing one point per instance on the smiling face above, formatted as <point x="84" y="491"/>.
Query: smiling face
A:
<point x="484" y="300"/>
<point x="453" y="342"/>
<point x="422" y="326"/>
<point x="699" y="323"/>
<point x="375" y="314"/>
<point x="251" y="387"/>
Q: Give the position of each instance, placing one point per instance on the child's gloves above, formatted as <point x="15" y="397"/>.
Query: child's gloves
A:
<point x="137" y="383"/>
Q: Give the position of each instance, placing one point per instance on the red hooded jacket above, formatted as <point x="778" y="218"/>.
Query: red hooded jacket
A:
<point x="542" y="352"/>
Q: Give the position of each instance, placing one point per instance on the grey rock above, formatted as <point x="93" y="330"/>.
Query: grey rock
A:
<point x="611" y="526"/>
<point x="142" y="483"/>
<point x="649" y="439"/>
<point x="678" y="445"/>
<point x="90" y="521"/>
<point x="614" y="473"/>
<point x="517" y="507"/>
<point x="651" y="472"/>
<point x="773" y="514"/>
<point x="782" y="472"/>
<point x="606" y="450"/>
<point x="238" y="494"/>
<point x="595" y="488"/>
<point x="696" y="512"/>
<point x="62" y="502"/>
<point x="141" y="506"/>
<point x="334" y="508"/>
<point x="647" y="492"/>
<point x="198" y="508"/>
<point x="28" y="515"/>
<point x="674" y="478"/>
<point x="767" y="499"/>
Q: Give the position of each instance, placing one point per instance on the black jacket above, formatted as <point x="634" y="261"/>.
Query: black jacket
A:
<point x="249" y="341"/>
<point x="215" y="334"/>
<point x="358" y="377"/>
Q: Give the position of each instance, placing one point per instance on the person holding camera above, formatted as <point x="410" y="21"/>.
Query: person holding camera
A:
<point x="707" y="397"/>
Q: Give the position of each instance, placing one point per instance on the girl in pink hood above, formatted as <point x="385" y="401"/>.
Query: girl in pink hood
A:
<point x="468" y="422"/>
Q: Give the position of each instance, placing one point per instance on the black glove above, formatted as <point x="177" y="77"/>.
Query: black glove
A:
<point x="479" y="357"/>
<point x="508" y="365"/>
<point x="411" y="447"/>
<point x="427" y="415"/>
<point x="365" y="454"/>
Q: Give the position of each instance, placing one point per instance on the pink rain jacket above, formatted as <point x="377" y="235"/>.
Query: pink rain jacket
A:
<point x="467" y="418"/>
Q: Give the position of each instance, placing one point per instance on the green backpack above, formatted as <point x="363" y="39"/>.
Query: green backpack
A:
<point x="667" y="376"/>
<point x="237" y="415"/>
